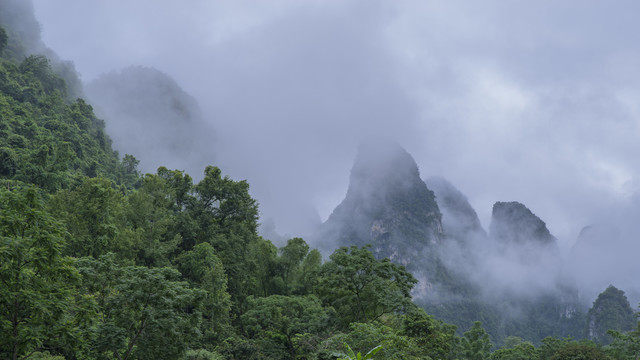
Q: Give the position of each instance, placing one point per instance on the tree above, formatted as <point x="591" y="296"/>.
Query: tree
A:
<point x="143" y="313"/>
<point x="549" y="346"/>
<point x="578" y="351"/>
<point x="38" y="67"/>
<point x="264" y="259"/>
<point x="152" y="217"/>
<point x="522" y="351"/>
<point x="226" y="201"/>
<point x="37" y="282"/>
<point x="626" y="345"/>
<point x="3" y="39"/>
<point x="362" y="288"/>
<point x="363" y="337"/>
<point x="476" y="344"/>
<point x="435" y="337"/>
<point x="353" y="356"/>
<point x="285" y="324"/>
<point x="203" y="270"/>
<point x="610" y="311"/>
<point x="225" y="216"/>
<point x="310" y="268"/>
<point x="291" y="257"/>
<point x="94" y="216"/>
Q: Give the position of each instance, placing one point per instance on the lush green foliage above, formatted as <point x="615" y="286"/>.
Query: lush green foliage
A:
<point x="46" y="140"/>
<point x="285" y="327"/>
<point x="580" y="352"/>
<point x="625" y="345"/>
<point x="37" y="282"/>
<point x="353" y="356"/>
<point x="610" y="311"/>
<point x="4" y="38"/>
<point x="142" y="313"/>
<point x="362" y="288"/>
<point x="100" y="262"/>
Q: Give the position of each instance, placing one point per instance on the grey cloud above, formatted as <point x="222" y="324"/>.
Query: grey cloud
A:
<point x="529" y="101"/>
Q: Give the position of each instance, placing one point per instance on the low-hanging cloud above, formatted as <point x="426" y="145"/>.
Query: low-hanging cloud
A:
<point x="529" y="101"/>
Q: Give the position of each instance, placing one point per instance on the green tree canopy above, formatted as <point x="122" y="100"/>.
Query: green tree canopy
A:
<point x="285" y="326"/>
<point x="436" y="338"/>
<point x="362" y="288"/>
<point x="578" y="351"/>
<point x="610" y="311"/>
<point x="362" y="337"/>
<point x="476" y="344"/>
<point x="97" y="226"/>
<point x="626" y="345"/>
<point x="36" y="281"/>
<point x="203" y="270"/>
<point x="144" y="313"/>
<point x="3" y="39"/>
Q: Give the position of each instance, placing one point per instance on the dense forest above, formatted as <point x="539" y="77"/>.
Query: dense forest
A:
<point x="100" y="261"/>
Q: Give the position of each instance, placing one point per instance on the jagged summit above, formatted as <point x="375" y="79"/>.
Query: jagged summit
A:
<point x="459" y="219"/>
<point x="380" y="166"/>
<point x="387" y="205"/>
<point x="514" y="223"/>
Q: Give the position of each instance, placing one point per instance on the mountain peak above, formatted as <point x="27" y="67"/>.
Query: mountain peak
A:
<point x="379" y="166"/>
<point x="514" y="223"/>
<point x="387" y="205"/>
<point x="459" y="219"/>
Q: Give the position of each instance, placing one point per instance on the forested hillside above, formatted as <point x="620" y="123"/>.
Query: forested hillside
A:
<point x="100" y="261"/>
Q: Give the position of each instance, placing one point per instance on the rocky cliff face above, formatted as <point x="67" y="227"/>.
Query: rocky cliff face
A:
<point x="524" y="237"/>
<point x="514" y="223"/>
<point x="506" y="279"/>
<point x="387" y="205"/>
<point x="459" y="220"/>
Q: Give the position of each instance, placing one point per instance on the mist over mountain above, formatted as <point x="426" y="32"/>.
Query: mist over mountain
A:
<point x="103" y="217"/>
<point x="24" y="39"/>
<point x="605" y="254"/>
<point x="502" y="278"/>
<point x="610" y="311"/>
<point x="387" y="205"/>
<point x="18" y="19"/>
<point x="514" y="223"/>
<point x="459" y="220"/>
<point x="148" y="114"/>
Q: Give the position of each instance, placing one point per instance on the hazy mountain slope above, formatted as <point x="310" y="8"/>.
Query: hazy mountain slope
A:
<point x="149" y="115"/>
<point x="46" y="139"/>
<point x="507" y="279"/>
<point x="610" y="311"/>
<point x="387" y="205"/>
<point x="23" y="30"/>
<point x="603" y="255"/>
<point x="459" y="220"/>
<point x="514" y="223"/>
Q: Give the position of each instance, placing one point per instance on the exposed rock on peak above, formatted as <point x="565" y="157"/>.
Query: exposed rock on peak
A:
<point x="387" y="205"/>
<point x="514" y="223"/>
<point x="459" y="220"/>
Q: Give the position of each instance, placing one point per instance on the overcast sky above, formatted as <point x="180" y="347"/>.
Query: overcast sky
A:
<point x="530" y="101"/>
